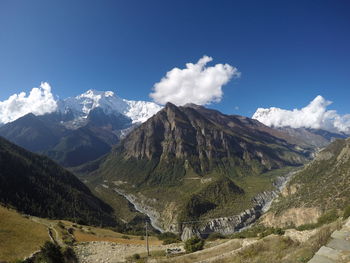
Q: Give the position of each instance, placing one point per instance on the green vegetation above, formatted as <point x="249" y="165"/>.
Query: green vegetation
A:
<point x="53" y="253"/>
<point x="215" y="236"/>
<point x="323" y="183"/>
<point x="35" y="185"/>
<point x="346" y="212"/>
<point x="257" y="231"/>
<point x="169" y="238"/>
<point x="194" y="244"/>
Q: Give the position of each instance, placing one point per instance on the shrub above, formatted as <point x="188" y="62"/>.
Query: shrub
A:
<point x="214" y="236"/>
<point x="327" y="217"/>
<point x="69" y="254"/>
<point x="194" y="244"/>
<point x="50" y="253"/>
<point x="170" y="241"/>
<point x="136" y="256"/>
<point x="168" y="238"/>
<point x="346" y="213"/>
<point x="125" y="237"/>
<point x="167" y="235"/>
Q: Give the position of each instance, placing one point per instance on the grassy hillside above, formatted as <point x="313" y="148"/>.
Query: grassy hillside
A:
<point x="19" y="236"/>
<point x="323" y="185"/>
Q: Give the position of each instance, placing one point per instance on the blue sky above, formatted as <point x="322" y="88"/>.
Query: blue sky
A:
<point x="288" y="52"/>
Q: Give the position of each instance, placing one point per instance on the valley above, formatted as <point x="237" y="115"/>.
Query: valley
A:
<point x="246" y="190"/>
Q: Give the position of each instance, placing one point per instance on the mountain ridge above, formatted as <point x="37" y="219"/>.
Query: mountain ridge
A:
<point x="177" y="159"/>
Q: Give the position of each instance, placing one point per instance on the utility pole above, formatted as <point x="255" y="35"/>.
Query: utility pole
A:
<point x="147" y="239"/>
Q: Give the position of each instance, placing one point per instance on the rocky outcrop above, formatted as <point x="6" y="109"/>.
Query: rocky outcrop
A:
<point x="204" y="138"/>
<point x="228" y="225"/>
<point x="293" y="216"/>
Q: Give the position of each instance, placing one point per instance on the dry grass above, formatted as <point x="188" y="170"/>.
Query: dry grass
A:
<point x="19" y="236"/>
<point x="212" y="251"/>
<point x="88" y="234"/>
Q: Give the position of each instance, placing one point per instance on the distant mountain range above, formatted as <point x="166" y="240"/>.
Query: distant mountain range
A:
<point x="82" y="129"/>
<point x="190" y="159"/>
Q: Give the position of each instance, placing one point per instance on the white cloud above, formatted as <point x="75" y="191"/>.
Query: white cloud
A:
<point x="39" y="101"/>
<point x="315" y="115"/>
<point x="196" y="83"/>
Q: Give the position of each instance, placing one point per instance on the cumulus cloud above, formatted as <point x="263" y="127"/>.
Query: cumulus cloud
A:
<point x="315" y="115"/>
<point x="196" y="83"/>
<point x="39" y="101"/>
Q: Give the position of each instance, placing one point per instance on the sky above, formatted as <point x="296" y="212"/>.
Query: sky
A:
<point x="238" y="55"/>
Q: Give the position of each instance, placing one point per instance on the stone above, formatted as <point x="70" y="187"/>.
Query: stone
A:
<point x="320" y="259"/>
<point x="329" y="253"/>
<point x="341" y="234"/>
<point x="339" y="244"/>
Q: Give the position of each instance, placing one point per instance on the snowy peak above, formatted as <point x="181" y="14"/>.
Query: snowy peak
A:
<point x="110" y="103"/>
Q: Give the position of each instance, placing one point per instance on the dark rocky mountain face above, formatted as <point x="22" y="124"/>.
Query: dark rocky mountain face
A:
<point x="197" y="162"/>
<point x="206" y="140"/>
<point x="35" y="185"/>
<point x="68" y="141"/>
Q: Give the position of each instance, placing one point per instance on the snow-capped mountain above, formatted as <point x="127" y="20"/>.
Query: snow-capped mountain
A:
<point x="110" y="103"/>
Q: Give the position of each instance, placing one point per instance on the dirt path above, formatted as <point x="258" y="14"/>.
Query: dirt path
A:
<point x="51" y="229"/>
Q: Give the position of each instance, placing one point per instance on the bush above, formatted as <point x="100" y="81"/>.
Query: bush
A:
<point x="170" y="241"/>
<point x="194" y="244"/>
<point x="327" y="217"/>
<point x="50" y="253"/>
<point x="214" y="236"/>
<point x="125" y="237"/>
<point x="167" y="235"/>
<point x="69" y="255"/>
<point x="346" y="213"/>
<point x="258" y="231"/>
<point x="136" y="256"/>
<point x="169" y="238"/>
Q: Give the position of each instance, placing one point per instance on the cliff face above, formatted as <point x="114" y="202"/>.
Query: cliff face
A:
<point x="205" y="139"/>
<point x="229" y="225"/>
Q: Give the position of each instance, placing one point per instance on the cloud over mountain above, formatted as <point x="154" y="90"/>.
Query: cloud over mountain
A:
<point x="314" y="115"/>
<point x="39" y="101"/>
<point x="196" y="83"/>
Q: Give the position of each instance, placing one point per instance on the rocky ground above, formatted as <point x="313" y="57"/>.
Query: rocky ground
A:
<point x="110" y="252"/>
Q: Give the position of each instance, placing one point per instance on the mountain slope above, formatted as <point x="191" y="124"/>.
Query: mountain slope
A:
<point x="323" y="185"/>
<point x="183" y="158"/>
<point x="32" y="133"/>
<point x="35" y="185"/>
